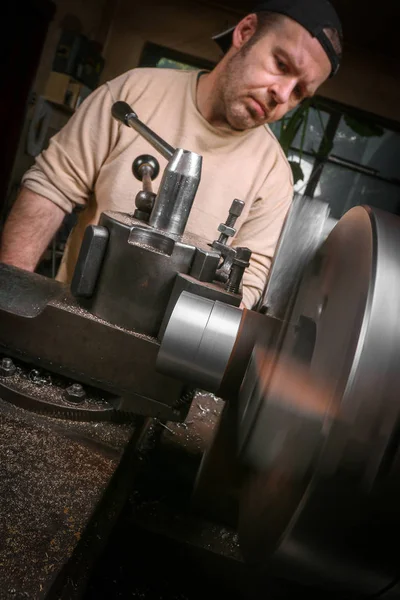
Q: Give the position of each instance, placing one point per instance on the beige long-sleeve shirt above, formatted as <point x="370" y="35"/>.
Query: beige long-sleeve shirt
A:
<point x="89" y="163"/>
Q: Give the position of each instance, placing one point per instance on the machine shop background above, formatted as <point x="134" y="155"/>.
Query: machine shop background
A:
<point x="348" y="155"/>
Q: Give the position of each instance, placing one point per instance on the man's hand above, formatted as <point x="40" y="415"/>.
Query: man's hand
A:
<point x="31" y="225"/>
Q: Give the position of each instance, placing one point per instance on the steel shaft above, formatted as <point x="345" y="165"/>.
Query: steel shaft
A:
<point x="124" y="113"/>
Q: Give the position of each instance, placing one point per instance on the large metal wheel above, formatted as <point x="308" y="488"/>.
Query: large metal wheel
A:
<point x="319" y="420"/>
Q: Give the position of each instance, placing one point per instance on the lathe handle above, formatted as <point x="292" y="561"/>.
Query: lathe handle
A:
<point x="124" y="113"/>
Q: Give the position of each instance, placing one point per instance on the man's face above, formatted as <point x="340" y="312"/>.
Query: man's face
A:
<point x="263" y="81"/>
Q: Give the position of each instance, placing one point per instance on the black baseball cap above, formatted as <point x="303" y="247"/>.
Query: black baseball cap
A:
<point x="313" y="15"/>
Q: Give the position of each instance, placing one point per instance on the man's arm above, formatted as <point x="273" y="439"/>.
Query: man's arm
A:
<point x="31" y="225"/>
<point x="63" y="177"/>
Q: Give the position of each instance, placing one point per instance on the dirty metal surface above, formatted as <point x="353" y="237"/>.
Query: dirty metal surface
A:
<point x="163" y="499"/>
<point x="53" y="475"/>
<point x="196" y="433"/>
<point x="162" y="548"/>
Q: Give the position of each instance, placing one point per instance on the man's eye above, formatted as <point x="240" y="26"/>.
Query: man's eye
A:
<point x="281" y="65"/>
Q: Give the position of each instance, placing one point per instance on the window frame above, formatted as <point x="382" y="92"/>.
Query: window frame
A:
<point x="152" y="53"/>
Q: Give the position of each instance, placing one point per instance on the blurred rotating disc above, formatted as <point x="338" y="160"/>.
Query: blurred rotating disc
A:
<point x="319" y="419"/>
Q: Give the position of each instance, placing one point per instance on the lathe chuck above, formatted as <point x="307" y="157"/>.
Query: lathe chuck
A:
<point x="319" y="419"/>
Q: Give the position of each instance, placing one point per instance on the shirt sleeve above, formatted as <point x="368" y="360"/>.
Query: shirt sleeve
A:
<point x="66" y="171"/>
<point x="261" y="230"/>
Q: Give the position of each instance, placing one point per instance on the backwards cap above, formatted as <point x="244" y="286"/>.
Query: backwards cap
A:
<point x="313" y="15"/>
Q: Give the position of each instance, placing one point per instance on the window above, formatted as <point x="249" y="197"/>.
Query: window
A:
<point x="346" y="157"/>
<point x="154" y="55"/>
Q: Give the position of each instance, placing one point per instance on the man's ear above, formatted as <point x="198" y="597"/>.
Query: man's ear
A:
<point x="244" y="30"/>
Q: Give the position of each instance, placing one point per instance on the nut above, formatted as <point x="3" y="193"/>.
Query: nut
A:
<point x="75" y="393"/>
<point x="226" y="230"/>
<point x="7" y="367"/>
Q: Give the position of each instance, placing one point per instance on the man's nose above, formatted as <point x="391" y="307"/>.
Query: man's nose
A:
<point x="282" y="90"/>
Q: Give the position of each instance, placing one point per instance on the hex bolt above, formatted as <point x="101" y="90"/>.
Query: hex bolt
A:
<point x="240" y="263"/>
<point x="227" y="228"/>
<point x="234" y="212"/>
<point x="7" y="367"/>
<point x="75" y="393"/>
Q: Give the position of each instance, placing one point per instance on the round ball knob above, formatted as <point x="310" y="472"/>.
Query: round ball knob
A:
<point x="145" y="160"/>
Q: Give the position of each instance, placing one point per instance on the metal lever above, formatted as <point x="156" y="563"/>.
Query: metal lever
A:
<point x="124" y="113"/>
<point x="180" y="180"/>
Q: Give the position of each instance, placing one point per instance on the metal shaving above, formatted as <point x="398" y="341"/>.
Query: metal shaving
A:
<point x="52" y="475"/>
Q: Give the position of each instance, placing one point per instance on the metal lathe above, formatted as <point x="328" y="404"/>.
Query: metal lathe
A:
<point x="145" y="384"/>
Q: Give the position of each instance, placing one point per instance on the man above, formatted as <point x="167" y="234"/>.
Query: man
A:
<point x="274" y="58"/>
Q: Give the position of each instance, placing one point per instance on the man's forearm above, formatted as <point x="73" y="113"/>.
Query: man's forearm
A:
<point x="31" y="225"/>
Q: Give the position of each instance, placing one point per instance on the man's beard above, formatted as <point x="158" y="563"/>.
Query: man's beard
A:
<point x="238" y="114"/>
